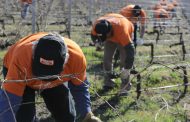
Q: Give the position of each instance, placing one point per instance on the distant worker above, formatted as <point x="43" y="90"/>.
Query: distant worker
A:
<point x="160" y="17"/>
<point x="164" y="3"/>
<point x="157" y="6"/>
<point x="115" y="32"/>
<point x="56" y="68"/>
<point x="135" y="14"/>
<point x="160" y="14"/>
<point x="25" y="5"/>
<point x="171" y="10"/>
<point x="175" y="3"/>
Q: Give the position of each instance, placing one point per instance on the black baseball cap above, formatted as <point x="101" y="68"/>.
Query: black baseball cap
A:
<point x="49" y="56"/>
<point x="102" y="28"/>
<point x="137" y="10"/>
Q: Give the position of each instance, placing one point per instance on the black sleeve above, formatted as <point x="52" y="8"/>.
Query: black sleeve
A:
<point x="130" y="54"/>
<point x="4" y="71"/>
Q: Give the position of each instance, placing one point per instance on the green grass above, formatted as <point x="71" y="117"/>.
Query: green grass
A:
<point x="157" y="105"/>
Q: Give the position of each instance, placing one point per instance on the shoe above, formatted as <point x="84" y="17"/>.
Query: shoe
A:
<point x="124" y="90"/>
<point x="108" y="85"/>
<point x="123" y="93"/>
<point x="107" y="88"/>
<point x="125" y="84"/>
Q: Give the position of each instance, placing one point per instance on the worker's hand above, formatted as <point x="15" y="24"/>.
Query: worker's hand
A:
<point x="99" y="46"/>
<point x="125" y="73"/>
<point x="114" y="75"/>
<point x="140" y="41"/>
<point x="91" y="118"/>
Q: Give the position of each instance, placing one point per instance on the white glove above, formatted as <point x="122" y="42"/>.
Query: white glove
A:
<point x="99" y="47"/>
<point x="140" y="41"/>
<point x="91" y="118"/>
<point x="124" y="73"/>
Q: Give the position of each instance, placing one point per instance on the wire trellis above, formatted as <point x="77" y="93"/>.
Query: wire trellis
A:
<point x="73" y="18"/>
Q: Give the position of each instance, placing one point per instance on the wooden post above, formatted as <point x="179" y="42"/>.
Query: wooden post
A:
<point x="69" y="18"/>
<point x="33" y="16"/>
<point x="90" y="11"/>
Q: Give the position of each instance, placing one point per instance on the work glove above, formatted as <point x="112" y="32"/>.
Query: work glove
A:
<point x="91" y="118"/>
<point x="140" y="41"/>
<point x="113" y="75"/>
<point x="124" y="74"/>
<point x="99" y="47"/>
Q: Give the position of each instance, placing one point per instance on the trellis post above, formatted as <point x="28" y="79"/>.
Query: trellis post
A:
<point x="90" y="11"/>
<point x="69" y="18"/>
<point x="33" y="16"/>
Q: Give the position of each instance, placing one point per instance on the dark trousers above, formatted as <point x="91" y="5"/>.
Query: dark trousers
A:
<point x="57" y="100"/>
<point x="135" y="34"/>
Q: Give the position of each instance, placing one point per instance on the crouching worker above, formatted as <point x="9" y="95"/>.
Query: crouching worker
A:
<point x="115" y="31"/>
<point x="41" y="62"/>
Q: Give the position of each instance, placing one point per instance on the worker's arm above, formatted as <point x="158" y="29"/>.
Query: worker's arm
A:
<point x="143" y="23"/>
<point x="9" y="104"/>
<point x="142" y="31"/>
<point x="81" y="97"/>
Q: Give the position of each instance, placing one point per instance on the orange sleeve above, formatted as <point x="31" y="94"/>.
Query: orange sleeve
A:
<point x="77" y="68"/>
<point x="15" y="72"/>
<point x="76" y="64"/>
<point x="80" y="73"/>
<point x="14" y="88"/>
<point x="123" y="32"/>
<point x="18" y="69"/>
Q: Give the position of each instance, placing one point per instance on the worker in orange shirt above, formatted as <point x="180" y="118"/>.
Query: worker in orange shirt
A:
<point x="175" y="3"/>
<point x="56" y="68"/>
<point x="25" y="4"/>
<point x="160" y="16"/>
<point x="135" y="14"/>
<point x="115" y="32"/>
<point x="164" y="3"/>
<point x="157" y="6"/>
<point x="171" y="10"/>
